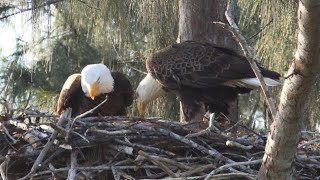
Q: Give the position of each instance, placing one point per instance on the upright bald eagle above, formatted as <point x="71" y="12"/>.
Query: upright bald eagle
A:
<point x="84" y="91"/>
<point x="200" y="74"/>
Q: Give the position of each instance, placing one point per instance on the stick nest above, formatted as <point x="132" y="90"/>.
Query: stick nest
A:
<point x="134" y="148"/>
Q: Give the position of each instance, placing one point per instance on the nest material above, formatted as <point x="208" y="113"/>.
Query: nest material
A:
<point x="133" y="148"/>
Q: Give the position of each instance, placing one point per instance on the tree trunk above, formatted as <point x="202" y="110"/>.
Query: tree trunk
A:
<point x="195" y="24"/>
<point x="284" y="135"/>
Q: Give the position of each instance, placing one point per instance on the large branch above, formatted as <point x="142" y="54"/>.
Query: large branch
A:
<point x="234" y="29"/>
<point x="284" y="135"/>
<point x="46" y="3"/>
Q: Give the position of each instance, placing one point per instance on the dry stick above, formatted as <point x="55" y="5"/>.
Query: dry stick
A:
<point x="5" y="130"/>
<point x="3" y="168"/>
<point x="198" y="169"/>
<point x="181" y="178"/>
<point x="124" y="131"/>
<point x="94" y="168"/>
<point x="119" y="118"/>
<point x="172" y="162"/>
<point x="47" y="147"/>
<point x="53" y="155"/>
<point x="63" y="131"/>
<point x="89" y="111"/>
<point x="115" y="173"/>
<point x="191" y="143"/>
<point x="238" y="145"/>
<point x="73" y="167"/>
<point x="308" y="143"/>
<point x="233" y="176"/>
<point x="84" y="114"/>
<point x="125" y="175"/>
<point x="205" y="131"/>
<point x="234" y="29"/>
<point x="47" y="3"/>
<point x="8" y="111"/>
<point x="156" y="162"/>
<point x="224" y="167"/>
<point x="123" y="61"/>
<point x="18" y="124"/>
<point x="154" y="149"/>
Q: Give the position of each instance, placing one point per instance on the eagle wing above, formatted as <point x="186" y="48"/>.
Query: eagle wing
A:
<point x="123" y="87"/>
<point x="68" y="94"/>
<point x="197" y="65"/>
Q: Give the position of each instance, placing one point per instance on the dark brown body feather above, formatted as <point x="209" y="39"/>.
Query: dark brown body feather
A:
<point x="195" y="72"/>
<point x="120" y="98"/>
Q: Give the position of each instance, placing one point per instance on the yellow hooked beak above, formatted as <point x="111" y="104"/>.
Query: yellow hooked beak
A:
<point x="92" y="90"/>
<point x="141" y="107"/>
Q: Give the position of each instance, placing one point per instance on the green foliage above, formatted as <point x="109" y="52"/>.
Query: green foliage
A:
<point x="270" y="29"/>
<point x="119" y="33"/>
<point x="4" y="8"/>
<point x="122" y="34"/>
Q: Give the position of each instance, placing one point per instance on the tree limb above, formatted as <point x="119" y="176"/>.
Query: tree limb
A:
<point x="46" y="3"/>
<point x="234" y="29"/>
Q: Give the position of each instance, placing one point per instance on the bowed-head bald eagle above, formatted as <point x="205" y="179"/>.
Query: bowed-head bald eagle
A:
<point x="84" y="91"/>
<point x="200" y="74"/>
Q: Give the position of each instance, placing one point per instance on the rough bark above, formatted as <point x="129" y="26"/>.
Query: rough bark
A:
<point x="284" y="135"/>
<point x="195" y="24"/>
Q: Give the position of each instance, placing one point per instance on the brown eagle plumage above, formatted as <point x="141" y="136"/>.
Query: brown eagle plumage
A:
<point x="201" y="74"/>
<point x="82" y="94"/>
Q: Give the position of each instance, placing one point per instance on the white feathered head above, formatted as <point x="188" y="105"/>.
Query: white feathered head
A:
<point x="96" y="79"/>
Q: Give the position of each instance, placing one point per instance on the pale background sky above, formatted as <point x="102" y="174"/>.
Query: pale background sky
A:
<point x="14" y="28"/>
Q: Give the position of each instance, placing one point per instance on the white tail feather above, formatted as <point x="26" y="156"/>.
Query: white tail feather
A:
<point x="251" y="82"/>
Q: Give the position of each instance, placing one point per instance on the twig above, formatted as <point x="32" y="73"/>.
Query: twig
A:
<point x="89" y="111"/>
<point x="29" y="9"/>
<point x="121" y="59"/>
<point x="3" y="168"/>
<point x="120" y="118"/>
<point x="8" y="111"/>
<point x="18" y="124"/>
<point x="234" y="29"/>
<point x="308" y="143"/>
<point x="53" y="155"/>
<point x="260" y="30"/>
<point x="115" y="173"/>
<point x="125" y="175"/>
<point x="224" y="167"/>
<point x="205" y="131"/>
<point x="37" y="163"/>
<point x="84" y="114"/>
<point x="73" y="167"/>
<point x="94" y="168"/>
<point x="124" y="131"/>
<point x="211" y="152"/>
<point x="234" y="126"/>
<point x="83" y="2"/>
<point x="181" y="178"/>
<point x="172" y="162"/>
<point x="233" y="176"/>
<point x="197" y="170"/>
<point x="238" y="145"/>
<point x="5" y="130"/>
<point x="144" y="147"/>
<point x="156" y="162"/>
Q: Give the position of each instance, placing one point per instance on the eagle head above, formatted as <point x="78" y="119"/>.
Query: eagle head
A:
<point x="148" y="90"/>
<point x="96" y="79"/>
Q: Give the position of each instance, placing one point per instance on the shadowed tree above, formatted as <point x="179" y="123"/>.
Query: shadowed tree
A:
<point x="303" y="72"/>
<point x="195" y="24"/>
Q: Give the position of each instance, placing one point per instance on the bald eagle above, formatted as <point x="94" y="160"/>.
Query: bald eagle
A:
<point x="84" y="91"/>
<point x="200" y="75"/>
